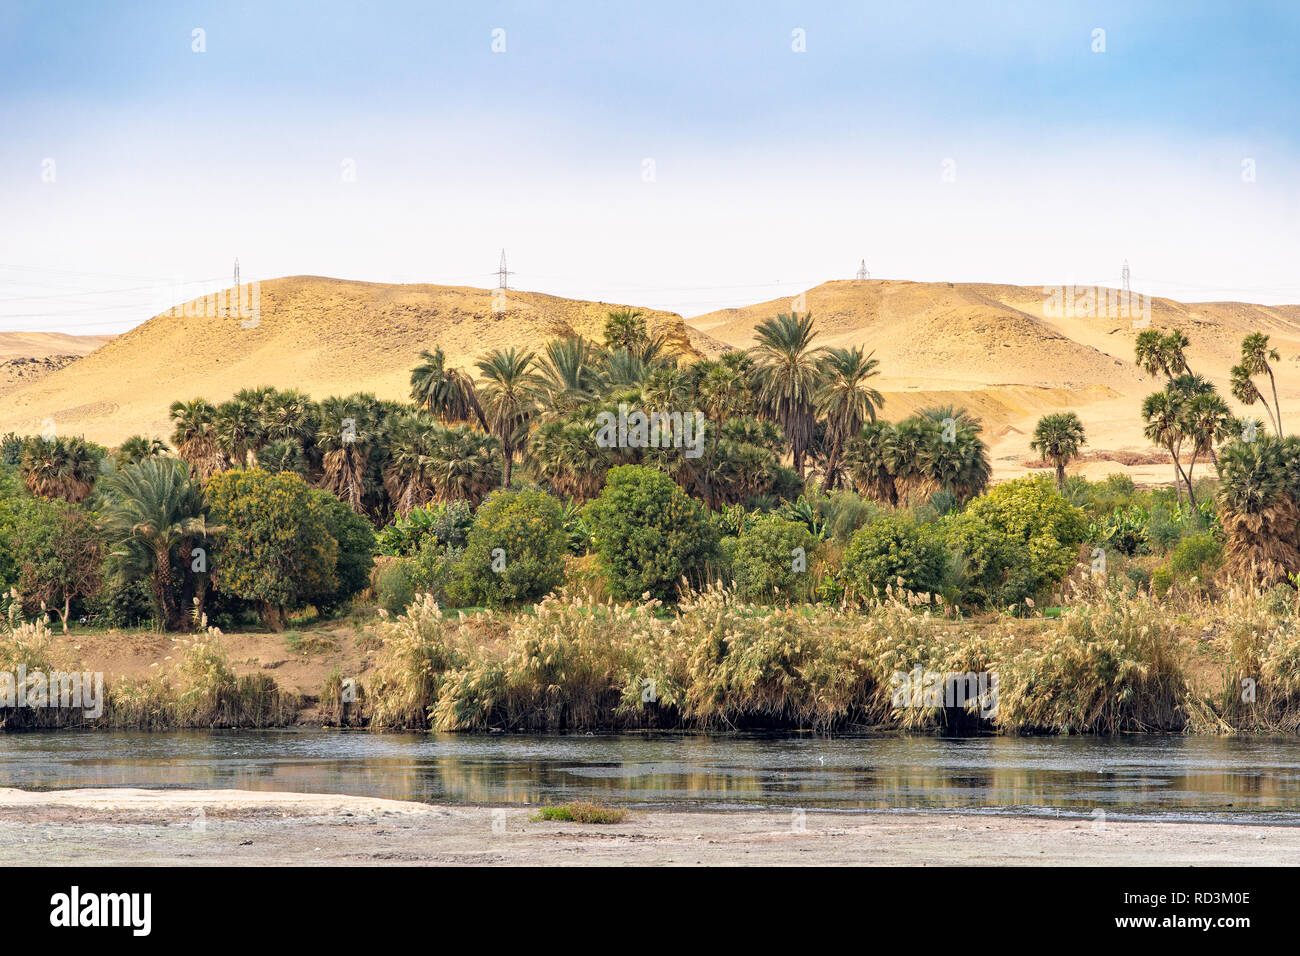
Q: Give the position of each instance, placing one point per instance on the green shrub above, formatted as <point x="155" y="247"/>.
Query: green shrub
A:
<point x="1019" y="539"/>
<point x="515" y="550"/>
<point x="1196" y="554"/>
<point x="771" y="558"/>
<point x="647" y="532"/>
<point x="356" y="541"/>
<point x="275" y="547"/>
<point x="122" y="604"/>
<point x="895" y="551"/>
<point x="395" y="585"/>
<point x="580" y="813"/>
<point x="447" y="524"/>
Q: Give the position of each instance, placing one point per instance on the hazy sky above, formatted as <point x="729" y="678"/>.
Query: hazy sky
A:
<point x="676" y="155"/>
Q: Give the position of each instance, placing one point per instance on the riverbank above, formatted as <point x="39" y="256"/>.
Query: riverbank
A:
<point x="236" y="827"/>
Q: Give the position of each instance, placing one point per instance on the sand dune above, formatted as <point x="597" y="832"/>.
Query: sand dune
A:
<point x="996" y="349"/>
<point x="1000" y="351"/>
<point x="325" y="336"/>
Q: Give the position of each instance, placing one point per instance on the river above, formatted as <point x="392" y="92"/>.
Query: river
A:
<point x="1162" y="778"/>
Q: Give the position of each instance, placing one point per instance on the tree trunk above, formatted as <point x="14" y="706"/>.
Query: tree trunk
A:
<point x="67" y="609"/>
<point x="163" y="575"/>
<point x="1276" y="405"/>
<point x="1060" y="475"/>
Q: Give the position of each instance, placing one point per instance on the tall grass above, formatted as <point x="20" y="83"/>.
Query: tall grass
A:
<point x="1114" y="662"/>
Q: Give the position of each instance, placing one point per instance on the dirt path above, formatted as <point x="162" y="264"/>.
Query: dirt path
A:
<point x="235" y="827"/>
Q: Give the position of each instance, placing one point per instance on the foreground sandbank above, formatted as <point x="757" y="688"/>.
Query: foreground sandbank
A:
<point x="238" y="827"/>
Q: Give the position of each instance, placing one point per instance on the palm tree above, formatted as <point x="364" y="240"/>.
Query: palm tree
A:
<point x="625" y="329"/>
<point x="153" y="509"/>
<point x="346" y="430"/>
<point x="283" y="454"/>
<point x="59" y="468"/>
<point x="509" y="400"/>
<point x="464" y="465"/>
<point x="568" y="374"/>
<point x="1257" y="509"/>
<point x="788" y="376"/>
<point x="1255" y="359"/>
<point x="1058" y="438"/>
<point x="845" y="400"/>
<point x="1209" y="421"/>
<point x="871" y="459"/>
<point x="195" y="437"/>
<point x="1162" y="354"/>
<point x="289" y="415"/>
<point x="563" y="454"/>
<point x="136" y="449"/>
<point x="1166" y="426"/>
<point x="1244" y="390"/>
<point x="238" y="427"/>
<point x="408" y="477"/>
<point x="447" y="393"/>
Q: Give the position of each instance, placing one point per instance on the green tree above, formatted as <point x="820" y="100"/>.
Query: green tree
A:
<point x="515" y="550"/>
<point x="1058" y="438"/>
<point x="894" y="551"/>
<point x="509" y="398"/>
<point x="625" y="329"/>
<point x="647" y="533"/>
<point x="356" y="543"/>
<point x="275" y="547"/>
<point x="845" y="400"/>
<point x="154" y="512"/>
<point x="770" y="558"/>
<point x="61" y="553"/>
<point x="788" y="374"/>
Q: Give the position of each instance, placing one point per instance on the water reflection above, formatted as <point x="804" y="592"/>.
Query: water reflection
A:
<point x="1148" y="776"/>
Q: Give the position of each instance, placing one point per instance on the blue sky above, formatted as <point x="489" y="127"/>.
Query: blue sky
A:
<point x="773" y="169"/>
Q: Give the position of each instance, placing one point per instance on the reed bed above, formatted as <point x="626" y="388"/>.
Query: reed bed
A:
<point x="1112" y="663"/>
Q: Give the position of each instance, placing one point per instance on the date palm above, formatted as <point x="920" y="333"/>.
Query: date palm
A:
<point x="788" y="374"/>
<point x="568" y="374"/>
<point x="152" y="511"/>
<point x="845" y="400"/>
<point x="446" y="393"/>
<point x="509" y="397"/>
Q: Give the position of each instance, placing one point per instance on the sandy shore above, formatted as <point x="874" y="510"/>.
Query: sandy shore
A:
<point x="234" y="827"/>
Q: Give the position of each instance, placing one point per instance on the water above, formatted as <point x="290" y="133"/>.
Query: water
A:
<point x="1245" y="780"/>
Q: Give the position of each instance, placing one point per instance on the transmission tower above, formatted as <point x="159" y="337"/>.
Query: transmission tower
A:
<point x="503" y="274"/>
<point x="862" y="270"/>
<point x="236" y="272"/>
<point x="1127" y="291"/>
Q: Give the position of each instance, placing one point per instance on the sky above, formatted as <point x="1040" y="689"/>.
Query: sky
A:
<point x="681" y="156"/>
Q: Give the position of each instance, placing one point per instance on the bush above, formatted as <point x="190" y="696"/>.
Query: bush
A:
<point x="122" y="604"/>
<point x="647" y="533"/>
<point x="447" y="524"/>
<point x="395" y="585"/>
<point x="275" y="548"/>
<point x="515" y="550"/>
<point x="892" y="552"/>
<point x="356" y="541"/>
<point x="1019" y="539"/>
<point x="1196" y="554"/>
<point x="769" y="559"/>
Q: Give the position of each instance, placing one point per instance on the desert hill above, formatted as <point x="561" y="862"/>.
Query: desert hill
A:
<point x="1007" y="354"/>
<point x="27" y="357"/>
<point x="997" y="349"/>
<point x="325" y="336"/>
